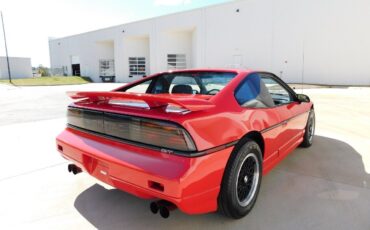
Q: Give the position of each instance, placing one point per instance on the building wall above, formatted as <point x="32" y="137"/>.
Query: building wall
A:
<point x="135" y="47"/>
<point x="19" y="67"/>
<point x="324" y="42"/>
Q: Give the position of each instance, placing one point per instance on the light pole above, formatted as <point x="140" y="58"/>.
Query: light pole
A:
<point x="6" y="48"/>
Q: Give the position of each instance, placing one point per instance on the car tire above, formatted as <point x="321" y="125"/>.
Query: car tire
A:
<point x="241" y="181"/>
<point x="309" y="130"/>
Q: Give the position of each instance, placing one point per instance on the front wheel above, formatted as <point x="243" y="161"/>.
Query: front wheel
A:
<point x="241" y="181"/>
<point x="309" y="130"/>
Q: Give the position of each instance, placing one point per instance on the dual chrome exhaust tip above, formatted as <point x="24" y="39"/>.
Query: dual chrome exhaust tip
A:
<point x="74" y="169"/>
<point x="163" y="207"/>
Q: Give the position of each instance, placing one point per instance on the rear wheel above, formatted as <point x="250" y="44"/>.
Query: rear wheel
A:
<point x="309" y="130"/>
<point x="241" y="181"/>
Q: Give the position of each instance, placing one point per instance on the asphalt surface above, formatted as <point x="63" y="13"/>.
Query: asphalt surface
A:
<point x="326" y="186"/>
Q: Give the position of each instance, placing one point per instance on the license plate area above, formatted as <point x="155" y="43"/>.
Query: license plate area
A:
<point x="96" y="168"/>
<point x="101" y="171"/>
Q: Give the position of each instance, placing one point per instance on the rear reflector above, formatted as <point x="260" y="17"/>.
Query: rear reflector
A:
<point x="147" y="131"/>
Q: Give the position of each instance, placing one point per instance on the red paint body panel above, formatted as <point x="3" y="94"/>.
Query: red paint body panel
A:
<point x="188" y="182"/>
<point x="192" y="184"/>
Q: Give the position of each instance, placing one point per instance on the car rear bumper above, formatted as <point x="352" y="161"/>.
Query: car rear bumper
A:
<point x="192" y="184"/>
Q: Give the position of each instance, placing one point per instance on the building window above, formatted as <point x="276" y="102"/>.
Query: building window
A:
<point x="176" y="61"/>
<point x="106" y="68"/>
<point x="137" y="66"/>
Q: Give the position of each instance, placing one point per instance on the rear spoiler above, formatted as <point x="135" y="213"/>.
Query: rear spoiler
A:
<point x="152" y="100"/>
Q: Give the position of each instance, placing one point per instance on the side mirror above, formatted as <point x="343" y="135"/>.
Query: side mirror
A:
<point x="303" y="98"/>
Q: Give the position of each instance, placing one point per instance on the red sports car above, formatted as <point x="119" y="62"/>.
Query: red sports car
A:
<point x="197" y="140"/>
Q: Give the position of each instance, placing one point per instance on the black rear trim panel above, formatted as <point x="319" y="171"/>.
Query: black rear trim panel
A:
<point x="157" y="148"/>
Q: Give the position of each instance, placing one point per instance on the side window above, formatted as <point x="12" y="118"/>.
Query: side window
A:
<point x="278" y="93"/>
<point x="141" y="88"/>
<point x="252" y="93"/>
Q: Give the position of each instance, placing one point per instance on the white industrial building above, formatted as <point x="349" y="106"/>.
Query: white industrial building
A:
<point x="19" y="67"/>
<point x="315" y="41"/>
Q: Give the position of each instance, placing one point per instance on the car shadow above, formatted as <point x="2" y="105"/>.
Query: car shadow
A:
<point x="311" y="176"/>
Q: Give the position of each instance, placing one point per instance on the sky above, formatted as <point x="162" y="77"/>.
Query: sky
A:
<point x="29" y="24"/>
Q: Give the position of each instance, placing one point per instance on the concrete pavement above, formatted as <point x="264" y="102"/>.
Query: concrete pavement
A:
<point x="326" y="186"/>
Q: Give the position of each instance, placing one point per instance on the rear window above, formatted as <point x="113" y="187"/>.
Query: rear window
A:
<point x="141" y="88"/>
<point x="207" y="83"/>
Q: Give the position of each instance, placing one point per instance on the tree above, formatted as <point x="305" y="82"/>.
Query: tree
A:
<point x="44" y="71"/>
